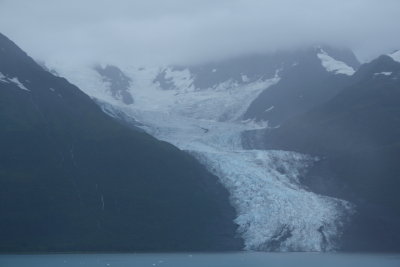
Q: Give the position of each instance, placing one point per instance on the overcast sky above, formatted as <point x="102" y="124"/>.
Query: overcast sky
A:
<point x="144" y="32"/>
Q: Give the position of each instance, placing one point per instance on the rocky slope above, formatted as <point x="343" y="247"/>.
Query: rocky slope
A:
<point x="74" y="179"/>
<point x="356" y="135"/>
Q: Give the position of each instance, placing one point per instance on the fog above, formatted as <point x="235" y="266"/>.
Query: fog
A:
<point x="190" y="31"/>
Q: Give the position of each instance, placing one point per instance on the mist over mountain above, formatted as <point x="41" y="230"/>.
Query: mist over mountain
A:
<point x="168" y="32"/>
<point x="200" y="126"/>
<point x="218" y="111"/>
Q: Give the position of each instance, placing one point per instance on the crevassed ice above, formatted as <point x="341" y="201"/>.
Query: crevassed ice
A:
<point x="275" y="213"/>
<point x="333" y="65"/>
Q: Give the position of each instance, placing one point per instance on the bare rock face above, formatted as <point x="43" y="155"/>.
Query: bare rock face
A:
<point x="119" y="83"/>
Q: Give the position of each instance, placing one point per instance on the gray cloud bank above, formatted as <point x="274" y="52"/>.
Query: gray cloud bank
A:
<point x="184" y="31"/>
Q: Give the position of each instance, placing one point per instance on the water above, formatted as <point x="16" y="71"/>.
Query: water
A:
<point x="200" y="260"/>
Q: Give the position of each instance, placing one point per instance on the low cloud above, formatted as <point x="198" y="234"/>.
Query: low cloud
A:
<point x="189" y="31"/>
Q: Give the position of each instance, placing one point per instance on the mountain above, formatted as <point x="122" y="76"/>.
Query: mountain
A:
<point x="74" y="179"/>
<point x="308" y="77"/>
<point x="357" y="137"/>
<point x="326" y="105"/>
<point x="202" y="110"/>
<point x="311" y="77"/>
<point x="235" y="71"/>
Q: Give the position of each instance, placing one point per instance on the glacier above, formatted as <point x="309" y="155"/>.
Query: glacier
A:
<point x="274" y="211"/>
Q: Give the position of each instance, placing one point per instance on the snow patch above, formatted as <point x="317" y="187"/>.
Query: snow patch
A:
<point x="388" y="73"/>
<point x="3" y="78"/>
<point x="14" y="80"/>
<point x="395" y="55"/>
<point x="333" y="65"/>
<point x="269" y="109"/>
<point x="18" y="83"/>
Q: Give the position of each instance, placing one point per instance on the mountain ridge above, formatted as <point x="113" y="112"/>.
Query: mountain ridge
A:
<point x="356" y="136"/>
<point x="74" y="179"/>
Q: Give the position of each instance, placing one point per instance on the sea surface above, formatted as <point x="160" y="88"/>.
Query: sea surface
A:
<point x="245" y="259"/>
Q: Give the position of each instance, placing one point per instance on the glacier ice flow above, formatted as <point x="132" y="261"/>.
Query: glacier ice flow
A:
<point x="275" y="213"/>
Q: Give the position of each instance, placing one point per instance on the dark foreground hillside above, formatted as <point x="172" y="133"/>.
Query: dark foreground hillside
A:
<point x="73" y="179"/>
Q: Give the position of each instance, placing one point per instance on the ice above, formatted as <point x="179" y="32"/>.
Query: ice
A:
<point x="268" y="197"/>
<point x="275" y="212"/>
<point x="333" y="65"/>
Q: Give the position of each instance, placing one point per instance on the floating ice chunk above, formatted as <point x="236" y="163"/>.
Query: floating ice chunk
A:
<point x="333" y="65"/>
